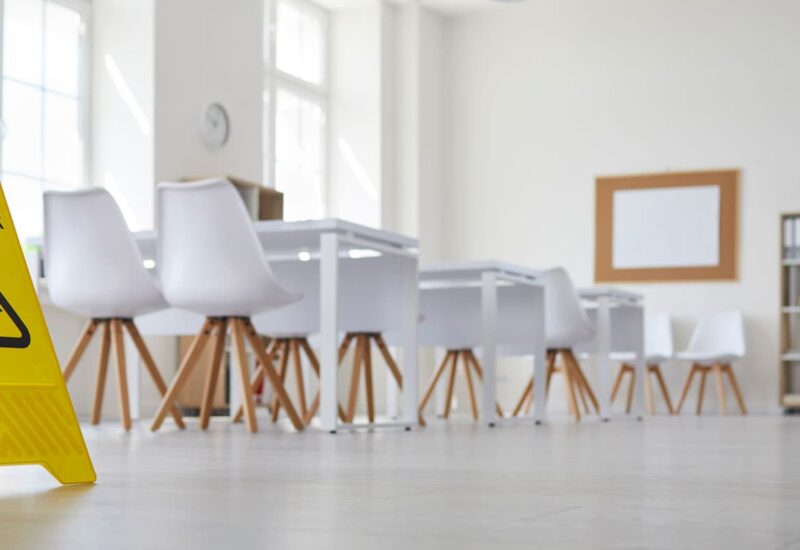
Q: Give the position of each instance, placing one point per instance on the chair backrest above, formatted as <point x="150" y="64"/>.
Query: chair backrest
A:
<point x="90" y="255"/>
<point x="658" y="341"/>
<point x="719" y="334"/>
<point x="566" y="321"/>
<point x="209" y="258"/>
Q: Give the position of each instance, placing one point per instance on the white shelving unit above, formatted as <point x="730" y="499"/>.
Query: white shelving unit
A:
<point x="790" y="311"/>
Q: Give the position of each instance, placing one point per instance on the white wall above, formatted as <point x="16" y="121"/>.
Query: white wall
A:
<point x="207" y="51"/>
<point x="355" y="115"/>
<point x="543" y="96"/>
<point x="122" y="105"/>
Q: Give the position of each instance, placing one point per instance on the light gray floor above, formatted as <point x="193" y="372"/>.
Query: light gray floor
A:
<point x="664" y="483"/>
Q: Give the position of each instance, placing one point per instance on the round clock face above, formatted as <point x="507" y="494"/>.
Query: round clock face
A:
<point x="216" y="125"/>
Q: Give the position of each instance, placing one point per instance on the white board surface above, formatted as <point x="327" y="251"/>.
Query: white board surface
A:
<point x="668" y="227"/>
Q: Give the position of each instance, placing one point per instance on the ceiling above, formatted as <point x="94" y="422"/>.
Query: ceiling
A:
<point x="447" y="7"/>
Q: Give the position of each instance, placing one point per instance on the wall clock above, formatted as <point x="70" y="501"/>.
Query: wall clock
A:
<point x="216" y="126"/>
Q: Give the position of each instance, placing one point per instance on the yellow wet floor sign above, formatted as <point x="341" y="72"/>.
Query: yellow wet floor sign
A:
<point x="37" y="422"/>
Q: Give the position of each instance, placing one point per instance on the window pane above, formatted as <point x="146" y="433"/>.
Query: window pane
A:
<point x="299" y="41"/>
<point x="25" y="203"/>
<point x="22" y="40"/>
<point x="299" y="155"/>
<point x="63" y="147"/>
<point x="63" y="28"/>
<point x="22" y="143"/>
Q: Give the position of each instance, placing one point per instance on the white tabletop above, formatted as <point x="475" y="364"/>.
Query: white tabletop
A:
<point x="617" y="294"/>
<point x="471" y="270"/>
<point x="277" y="235"/>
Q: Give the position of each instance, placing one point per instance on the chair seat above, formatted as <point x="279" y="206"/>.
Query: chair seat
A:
<point x="630" y="357"/>
<point x="246" y="303"/>
<point x="110" y="303"/>
<point x="706" y="358"/>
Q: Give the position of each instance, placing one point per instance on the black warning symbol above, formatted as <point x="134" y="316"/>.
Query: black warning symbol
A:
<point x="17" y="342"/>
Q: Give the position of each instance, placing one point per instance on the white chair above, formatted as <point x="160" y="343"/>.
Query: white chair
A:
<point x="451" y="319"/>
<point x="289" y="329"/>
<point x="211" y="262"/>
<point x="658" y="348"/>
<point x="370" y="306"/>
<point x="567" y="326"/>
<point x="94" y="269"/>
<point x="717" y="341"/>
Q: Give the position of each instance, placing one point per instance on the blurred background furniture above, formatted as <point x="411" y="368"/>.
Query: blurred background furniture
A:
<point x="717" y="342"/>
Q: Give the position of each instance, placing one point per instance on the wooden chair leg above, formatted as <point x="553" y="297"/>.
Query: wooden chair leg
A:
<point x="473" y="402"/>
<point x="723" y="405"/>
<point x="648" y="390"/>
<point x="298" y="377"/>
<point x="631" y="385"/>
<point x="701" y="390"/>
<point x="370" y="389"/>
<point x="735" y="386"/>
<point x="529" y="401"/>
<point x="248" y="402"/>
<point x="80" y="348"/>
<point x="581" y="392"/>
<point x="434" y="380"/>
<point x="210" y="386"/>
<point x="122" y="373"/>
<point x="569" y="383"/>
<point x="584" y="382"/>
<point x="451" y="382"/>
<point x="686" y="386"/>
<point x="312" y="358"/>
<point x="355" y="378"/>
<point x="269" y="371"/>
<point x="390" y="362"/>
<point x="617" y="382"/>
<point x="345" y="346"/>
<point x="150" y="365"/>
<point x="102" y="370"/>
<point x="283" y="366"/>
<point x="474" y="360"/>
<point x="258" y="377"/>
<point x="188" y="363"/>
<point x="523" y="398"/>
<point x="663" y="385"/>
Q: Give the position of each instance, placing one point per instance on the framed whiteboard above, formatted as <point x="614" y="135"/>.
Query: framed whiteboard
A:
<point x="666" y="227"/>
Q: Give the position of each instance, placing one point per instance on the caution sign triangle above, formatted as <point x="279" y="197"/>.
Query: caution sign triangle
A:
<point x="37" y="421"/>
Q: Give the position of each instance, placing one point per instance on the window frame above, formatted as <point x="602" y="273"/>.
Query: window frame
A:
<point x="276" y="79"/>
<point x="84" y="92"/>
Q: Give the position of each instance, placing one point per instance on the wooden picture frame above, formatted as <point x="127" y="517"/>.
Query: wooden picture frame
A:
<point x="726" y="266"/>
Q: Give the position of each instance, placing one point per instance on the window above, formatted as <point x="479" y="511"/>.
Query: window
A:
<point x="295" y="106"/>
<point x="43" y="102"/>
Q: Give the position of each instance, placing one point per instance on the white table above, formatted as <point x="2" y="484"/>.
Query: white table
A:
<point x="489" y="275"/>
<point x="619" y="321"/>
<point x="328" y="240"/>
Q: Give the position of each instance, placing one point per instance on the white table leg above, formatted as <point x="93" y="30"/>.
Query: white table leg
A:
<point x="539" y="360"/>
<point x="603" y="359"/>
<point x="641" y="370"/>
<point x="329" y="317"/>
<point x="410" y="349"/>
<point x="489" y="345"/>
